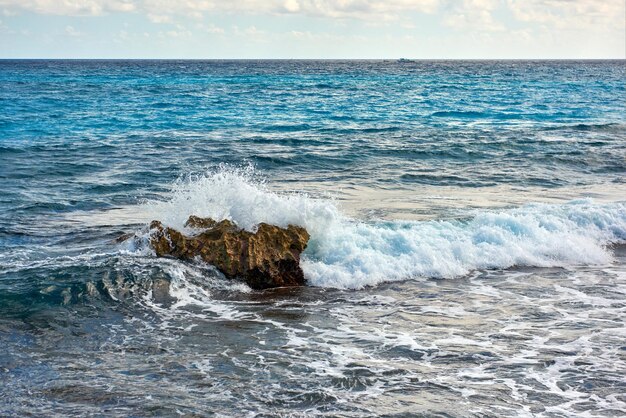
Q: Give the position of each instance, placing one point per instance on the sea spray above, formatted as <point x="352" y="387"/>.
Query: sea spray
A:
<point x="241" y="195"/>
<point x="347" y="253"/>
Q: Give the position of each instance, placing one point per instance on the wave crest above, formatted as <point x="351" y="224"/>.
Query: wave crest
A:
<point x="347" y="253"/>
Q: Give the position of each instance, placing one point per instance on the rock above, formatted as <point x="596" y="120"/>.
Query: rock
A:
<point x="269" y="257"/>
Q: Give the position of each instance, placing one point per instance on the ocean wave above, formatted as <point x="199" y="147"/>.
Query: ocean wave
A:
<point x="459" y="114"/>
<point x="347" y="253"/>
<point x="600" y="127"/>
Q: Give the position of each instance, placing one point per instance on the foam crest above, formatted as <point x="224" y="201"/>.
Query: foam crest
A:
<point x="346" y="253"/>
<point x="357" y="254"/>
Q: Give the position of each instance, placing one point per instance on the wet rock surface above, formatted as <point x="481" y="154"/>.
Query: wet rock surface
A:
<point x="269" y="257"/>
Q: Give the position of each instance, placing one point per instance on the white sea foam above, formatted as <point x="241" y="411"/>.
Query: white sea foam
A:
<point x="347" y="253"/>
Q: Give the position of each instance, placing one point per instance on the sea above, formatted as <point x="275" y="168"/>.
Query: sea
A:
<point x="467" y="254"/>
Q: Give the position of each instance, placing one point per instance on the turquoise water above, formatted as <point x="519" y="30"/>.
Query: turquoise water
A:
<point x="467" y="226"/>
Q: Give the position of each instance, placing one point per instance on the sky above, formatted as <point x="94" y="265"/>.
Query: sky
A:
<point x="333" y="29"/>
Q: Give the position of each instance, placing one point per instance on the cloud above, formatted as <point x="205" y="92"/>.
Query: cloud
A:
<point x="292" y="6"/>
<point x="570" y="13"/>
<point x="253" y="31"/>
<point x="72" y="32"/>
<point x="460" y="12"/>
<point x="154" y="18"/>
<point x="462" y="15"/>
<point x="210" y="28"/>
<point x="358" y="9"/>
<point x="70" y="7"/>
<point x="474" y="15"/>
<point x="176" y="34"/>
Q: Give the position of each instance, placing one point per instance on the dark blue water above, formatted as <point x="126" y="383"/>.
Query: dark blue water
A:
<point x="467" y="225"/>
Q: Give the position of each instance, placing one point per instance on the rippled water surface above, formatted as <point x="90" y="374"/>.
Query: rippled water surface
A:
<point x="467" y="220"/>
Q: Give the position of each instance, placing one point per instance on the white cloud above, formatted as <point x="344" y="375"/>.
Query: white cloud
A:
<point x="456" y="13"/>
<point x="473" y="14"/>
<point x="179" y="32"/>
<point x="70" y="7"/>
<point x="72" y="32"/>
<point x="301" y="35"/>
<point x="359" y="9"/>
<point x="253" y="31"/>
<point x="292" y="6"/>
<point x="154" y="18"/>
<point x="210" y="28"/>
<point x="570" y="13"/>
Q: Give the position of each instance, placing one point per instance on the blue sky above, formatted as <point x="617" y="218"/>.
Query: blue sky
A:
<point x="312" y="29"/>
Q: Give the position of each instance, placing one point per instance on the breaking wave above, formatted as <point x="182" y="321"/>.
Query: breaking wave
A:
<point x="348" y="253"/>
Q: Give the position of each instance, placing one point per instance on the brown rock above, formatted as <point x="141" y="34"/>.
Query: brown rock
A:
<point x="270" y="257"/>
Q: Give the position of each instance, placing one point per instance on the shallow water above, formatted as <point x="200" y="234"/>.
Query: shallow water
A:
<point x="467" y="222"/>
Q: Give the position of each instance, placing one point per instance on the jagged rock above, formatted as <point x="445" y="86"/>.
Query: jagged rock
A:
<point x="269" y="257"/>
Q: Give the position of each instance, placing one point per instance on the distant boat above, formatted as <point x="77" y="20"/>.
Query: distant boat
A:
<point x="405" y="60"/>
